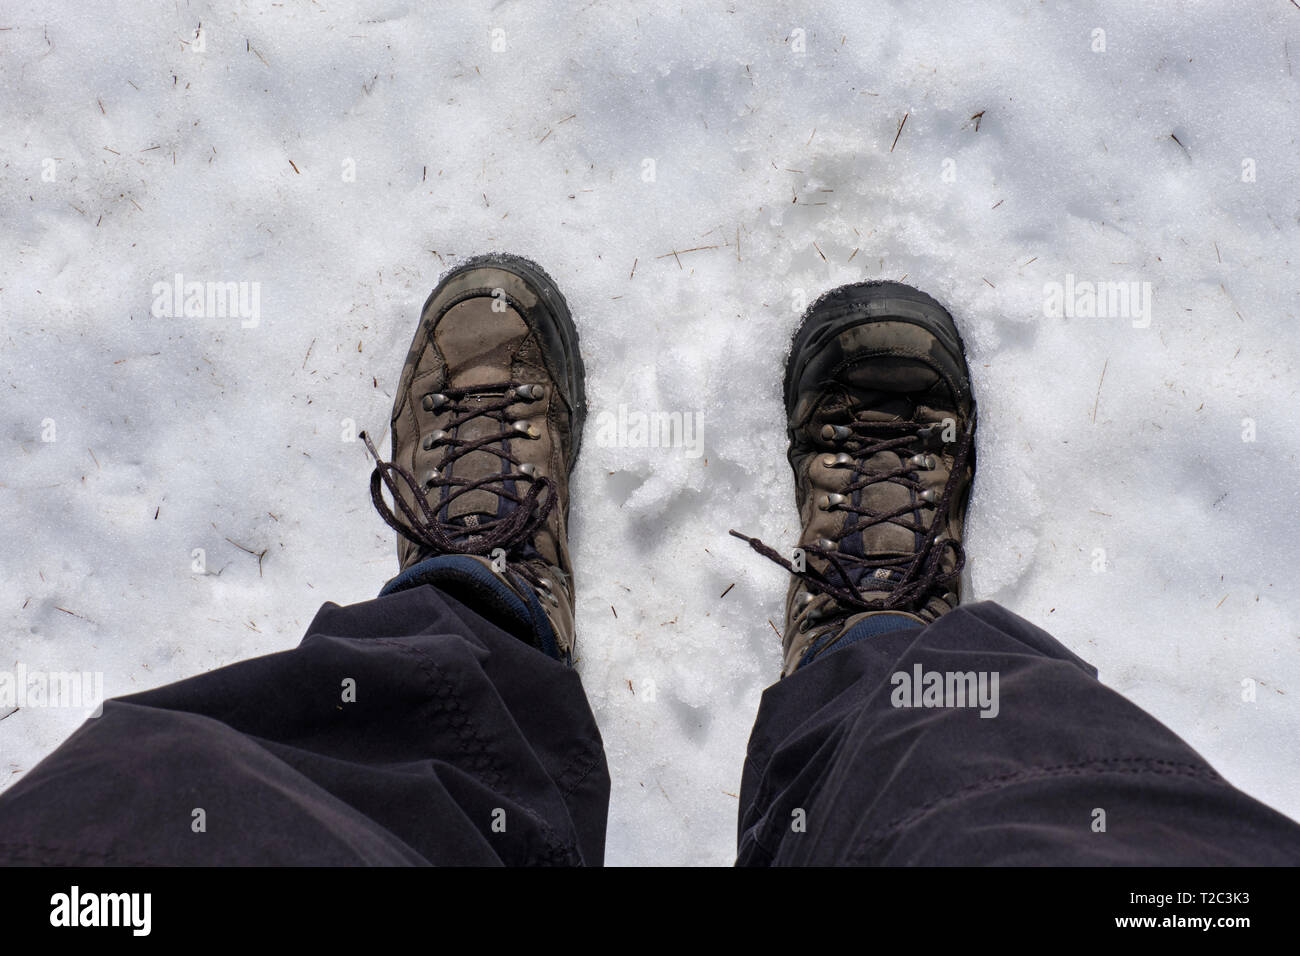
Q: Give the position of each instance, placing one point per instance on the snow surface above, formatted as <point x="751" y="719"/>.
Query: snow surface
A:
<point x="180" y="433"/>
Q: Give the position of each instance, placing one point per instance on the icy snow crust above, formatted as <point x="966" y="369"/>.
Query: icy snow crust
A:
<point x="774" y="135"/>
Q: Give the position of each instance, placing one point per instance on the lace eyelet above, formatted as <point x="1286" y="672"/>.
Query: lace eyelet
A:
<point x="531" y="393"/>
<point x="544" y="589"/>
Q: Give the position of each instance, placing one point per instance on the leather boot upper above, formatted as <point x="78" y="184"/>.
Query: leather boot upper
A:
<point x="485" y="428"/>
<point x="881" y="429"/>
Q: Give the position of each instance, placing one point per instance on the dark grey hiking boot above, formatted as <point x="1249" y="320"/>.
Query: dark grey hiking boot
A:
<point x="486" y="423"/>
<point x="882" y="424"/>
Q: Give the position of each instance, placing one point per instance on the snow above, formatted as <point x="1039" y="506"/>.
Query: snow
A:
<point x="775" y="140"/>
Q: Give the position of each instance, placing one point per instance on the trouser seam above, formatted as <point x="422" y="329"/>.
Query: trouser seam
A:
<point x="1100" y="767"/>
<point x="572" y="767"/>
<point x="32" y="851"/>
<point x="473" y="744"/>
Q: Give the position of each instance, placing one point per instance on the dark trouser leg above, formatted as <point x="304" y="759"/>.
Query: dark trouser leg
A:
<point x="463" y="746"/>
<point x="875" y="783"/>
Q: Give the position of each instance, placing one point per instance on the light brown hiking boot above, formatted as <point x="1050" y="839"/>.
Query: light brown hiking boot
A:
<point x="486" y="423"/>
<point x="882" y="425"/>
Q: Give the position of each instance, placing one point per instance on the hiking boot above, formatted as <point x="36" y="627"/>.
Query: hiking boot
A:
<point x="486" y="427"/>
<point x="882" y="424"/>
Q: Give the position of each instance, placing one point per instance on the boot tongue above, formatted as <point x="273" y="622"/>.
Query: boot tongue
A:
<point x="470" y="523"/>
<point x="483" y="502"/>
<point x="479" y="344"/>
<point x="871" y="580"/>
<point x="884" y="539"/>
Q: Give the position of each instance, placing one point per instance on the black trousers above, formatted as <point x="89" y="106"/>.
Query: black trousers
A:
<point x="408" y="730"/>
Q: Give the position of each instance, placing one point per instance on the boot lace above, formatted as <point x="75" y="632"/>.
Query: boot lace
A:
<point x="511" y="532"/>
<point x="908" y="579"/>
